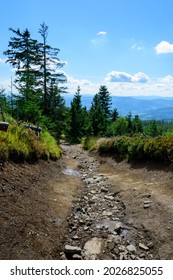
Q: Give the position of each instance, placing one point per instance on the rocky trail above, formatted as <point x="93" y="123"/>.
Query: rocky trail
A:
<point x="114" y="216"/>
<point x="86" y="207"/>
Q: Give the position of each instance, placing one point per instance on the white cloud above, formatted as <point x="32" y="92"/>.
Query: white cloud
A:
<point x="118" y="83"/>
<point x="86" y="85"/>
<point x="167" y="79"/>
<point x="140" y="78"/>
<point x="116" y="76"/>
<point x="77" y="82"/>
<point x="102" y="33"/>
<point x="164" y="47"/>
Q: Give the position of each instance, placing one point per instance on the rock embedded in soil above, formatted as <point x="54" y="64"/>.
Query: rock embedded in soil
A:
<point x="92" y="248"/>
<point x="69" y="249"/>
<point x="131" y="248"/>
<point x="144" y="247"/>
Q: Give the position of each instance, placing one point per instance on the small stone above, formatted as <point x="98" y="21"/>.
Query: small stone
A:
<point x="131" y="248"/>
<point x="75" y="237"/>
<point x="77" y="257"/>
<point x="72" y="249"/>
<point x="86" y="228"/>
<point x="122" y="248"/>
<point x="89" y="180"/>
<point x="145" y="206"/>
<point x="118" y="226"/>
<point x="63" y="256"/>
<point x="144" y="247"/>
<point x="93" y="192"/>
<point x="103" y="189"/>
<point x="107" y="213"/>
<point x="121" y="256"/>
<point x="98" y="179"/>
<point x="110" y="245"/>
<point x="150" y="245"/>
<point x="109" y="197"/>
<point x="92" y="248"/>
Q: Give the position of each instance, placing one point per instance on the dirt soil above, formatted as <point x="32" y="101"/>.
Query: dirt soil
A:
<point x="36" y="202"/>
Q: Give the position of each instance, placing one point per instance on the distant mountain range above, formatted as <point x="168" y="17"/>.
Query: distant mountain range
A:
<point x="148" y="108"/>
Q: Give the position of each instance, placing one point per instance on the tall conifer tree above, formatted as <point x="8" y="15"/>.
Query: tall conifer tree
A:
<point x="105" y="100"/>
<point x="49" y="64"/>
<point x="77" y="120"/>
<point x="22" y="55"/>
<point x="97" y="116"/>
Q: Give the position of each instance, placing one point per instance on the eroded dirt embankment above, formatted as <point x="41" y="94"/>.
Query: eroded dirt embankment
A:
<point x="108" y="210"/>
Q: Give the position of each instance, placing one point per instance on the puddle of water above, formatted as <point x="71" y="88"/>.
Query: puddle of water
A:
<point x="110" y="226"/>
<point x="71" y="172"/>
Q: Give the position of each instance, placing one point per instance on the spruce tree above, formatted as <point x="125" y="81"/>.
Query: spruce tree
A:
<point x="97" y="117"/>
<point x="105" y="100"/>
<point x="49" y="64"/>
<point x="37" y="77"/>
<point x="137" y="124"/>
<point x="130" y="123"/>
<point x="22" y="55"/>
<point x="77" y="120"/>
<point x="114" y="115"/>
<point x="57" y="112"/>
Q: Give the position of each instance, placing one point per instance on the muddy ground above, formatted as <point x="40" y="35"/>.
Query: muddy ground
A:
<point x="38" y="205"/>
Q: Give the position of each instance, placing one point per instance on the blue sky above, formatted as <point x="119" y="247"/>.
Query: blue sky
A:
<point x="126" y="45"/>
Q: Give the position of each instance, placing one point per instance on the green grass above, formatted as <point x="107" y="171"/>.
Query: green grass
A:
<point x="22" y="144"/>
<point x="89" y="143"/>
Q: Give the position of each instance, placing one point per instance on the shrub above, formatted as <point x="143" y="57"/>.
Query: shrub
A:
<point x="159" y="148"/>
<point x="136" y="148"/>
<point x="89" y="143"/>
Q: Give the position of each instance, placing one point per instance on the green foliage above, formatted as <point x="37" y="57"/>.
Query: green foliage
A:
<point x="120" y="126"/>
<point x="105" y="100"/>
<point x="97" y="117"/>
<point x="48" y="63"/>
<point x="49" y="147"/>
<point x="136" y="148"/>
<point x="20" y="143"/>
<point x="139" y="148"/>
<point x="153" y="129"/>
<point x="137" y="125"/>
<point x="89" y="143"/>
<point x="159" y="148"/>
<point x="114" y="115"/>
<point x="77" y="119"/>
<point x="38" y="82"/>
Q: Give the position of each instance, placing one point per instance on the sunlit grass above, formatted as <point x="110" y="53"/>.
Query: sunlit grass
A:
<point x="20" y="143"/>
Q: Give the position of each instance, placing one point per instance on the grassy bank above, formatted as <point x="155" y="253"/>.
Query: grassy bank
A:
<point x="158" y="148"/>
<point x="22" y="144"/>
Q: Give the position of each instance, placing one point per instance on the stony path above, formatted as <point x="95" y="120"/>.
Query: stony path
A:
<point x="95" y="226"/>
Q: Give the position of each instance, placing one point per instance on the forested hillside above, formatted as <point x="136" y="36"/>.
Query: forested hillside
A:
<point x="39" y="102"/>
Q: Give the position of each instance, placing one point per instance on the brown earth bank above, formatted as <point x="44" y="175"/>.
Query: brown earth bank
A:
<point x="85" y="207"/>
